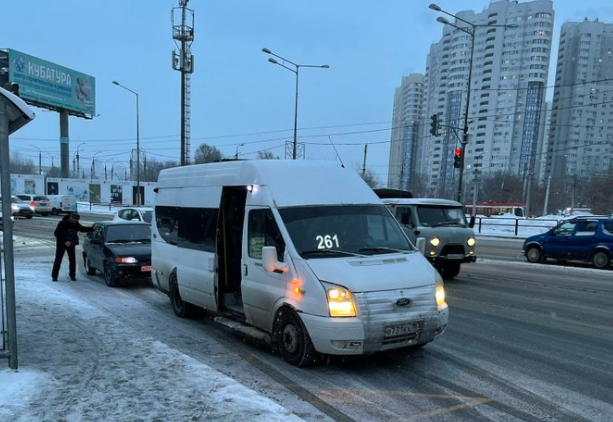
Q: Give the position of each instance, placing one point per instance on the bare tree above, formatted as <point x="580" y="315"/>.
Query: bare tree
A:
<point x="266" y="155"/>
<point x="19" y="165"/>
<point x="370" y="178"/>
<point x="153" y="168"/>
<point x="207" y="154"/>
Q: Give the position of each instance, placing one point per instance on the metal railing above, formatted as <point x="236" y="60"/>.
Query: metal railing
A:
<point x="513" y="226"/>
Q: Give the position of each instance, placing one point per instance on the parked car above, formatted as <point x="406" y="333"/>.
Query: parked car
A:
<point x="134" y="214"/>
<point x="120" y="250"/>
<point x="40" y="203"/>
<point x="20" y="208"/>
<point x="588" y="239"/>
<point x="62" y="204"/>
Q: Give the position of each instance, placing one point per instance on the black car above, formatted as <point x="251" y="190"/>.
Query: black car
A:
<point x="121" y="250"/>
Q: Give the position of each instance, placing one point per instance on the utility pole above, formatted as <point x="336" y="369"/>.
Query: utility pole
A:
<point x="364" y="164"/>
<point x="183" y="61"/>
<point x="547" y="196"/>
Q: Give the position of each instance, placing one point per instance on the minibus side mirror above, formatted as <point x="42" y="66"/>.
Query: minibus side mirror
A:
<point x="471" y="223"/>
<point x="269" y="258"/>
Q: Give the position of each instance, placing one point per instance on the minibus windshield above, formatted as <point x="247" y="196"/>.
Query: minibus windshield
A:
<point x="344" y="230"/>
<point x="438" y="216"/>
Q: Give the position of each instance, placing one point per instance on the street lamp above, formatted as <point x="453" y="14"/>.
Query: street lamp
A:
<point x="40" y="160"/>
<point x="78" y="164"/>
<point x="93" y="168"/>
<point x="470" y="32"/>
<point x="296" y="71"/>
<point x="138" y="201"/>
<point x="237" y="147"/>
<point x="52" y="163"/>
<point x="105" y="169"/>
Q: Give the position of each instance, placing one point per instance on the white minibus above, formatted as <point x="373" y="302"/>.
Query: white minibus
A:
<point x="302" y="252"/>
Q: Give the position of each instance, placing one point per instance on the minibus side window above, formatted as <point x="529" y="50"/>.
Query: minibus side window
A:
<point x="166" y="221"/>
<point x="197" y="228"/>
<point x="263" y="231"/>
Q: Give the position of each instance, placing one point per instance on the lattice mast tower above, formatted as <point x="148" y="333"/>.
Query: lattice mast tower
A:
<point x="183" y="61"/>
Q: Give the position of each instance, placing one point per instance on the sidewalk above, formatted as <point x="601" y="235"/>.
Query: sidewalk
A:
<point x="77" y="363"/>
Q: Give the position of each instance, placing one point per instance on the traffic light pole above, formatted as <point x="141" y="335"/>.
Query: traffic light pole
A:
<point x="465" y="136"/>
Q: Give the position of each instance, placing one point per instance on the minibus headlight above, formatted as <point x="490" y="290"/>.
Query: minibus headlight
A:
<point x="471" y="241"/>
<point x="340" y="301"/>
<point x="435" y="241"/>
<point x="126" y="260"/>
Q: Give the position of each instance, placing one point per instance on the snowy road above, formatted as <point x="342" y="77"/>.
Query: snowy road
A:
<point x="525" y="342"/>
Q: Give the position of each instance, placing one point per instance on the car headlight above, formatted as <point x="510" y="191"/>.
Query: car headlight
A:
<point x="471" y="241"/>
<point x="126" y="260"/>
<point x="340" y="301"/>
<point x="435" y="241"/>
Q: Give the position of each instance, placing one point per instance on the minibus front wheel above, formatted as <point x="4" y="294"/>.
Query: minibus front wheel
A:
<point x="293" y="339"/>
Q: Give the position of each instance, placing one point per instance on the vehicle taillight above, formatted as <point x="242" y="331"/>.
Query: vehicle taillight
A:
<point x="32" y="204"/>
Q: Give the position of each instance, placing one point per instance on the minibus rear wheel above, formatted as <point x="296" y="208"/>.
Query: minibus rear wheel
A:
<point x="181" y="308"/>
<point x="293" y="340"/>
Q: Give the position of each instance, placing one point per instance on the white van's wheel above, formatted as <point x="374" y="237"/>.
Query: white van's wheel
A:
<point x="181" y="308"/>
<point x="293" y="340"/>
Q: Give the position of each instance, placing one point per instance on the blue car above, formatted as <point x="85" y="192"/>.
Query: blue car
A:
<point x="587" y="239"/>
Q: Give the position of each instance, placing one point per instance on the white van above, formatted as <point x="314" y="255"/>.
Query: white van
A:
<point x="303" y="251"/>
<point x="438" y="228"/>
<point x="62" y="204"/>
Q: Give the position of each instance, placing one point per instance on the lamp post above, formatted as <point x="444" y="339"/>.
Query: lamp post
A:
<point x="105" y="168"/>
<point x="237" y="147"/>
<point x="93" y="168"/>
<point x="52" y="163"/>
<point x="78" y="164"/>
<point x="472" y="34"/>
<point x="138" y="201"/>
<point x="40" y="160"/>
<point x="296" y="71"/>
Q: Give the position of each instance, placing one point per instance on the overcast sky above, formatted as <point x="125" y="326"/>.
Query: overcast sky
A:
<point x="237" y="96"/>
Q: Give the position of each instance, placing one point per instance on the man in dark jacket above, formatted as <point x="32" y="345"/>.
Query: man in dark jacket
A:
<point x="67" y="237"/>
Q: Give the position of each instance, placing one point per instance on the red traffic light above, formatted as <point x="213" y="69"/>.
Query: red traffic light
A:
<point x="458" y="152"/>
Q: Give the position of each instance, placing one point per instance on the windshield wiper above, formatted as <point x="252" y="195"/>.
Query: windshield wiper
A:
<point x="383" y="250"/>
<point x="328" y="252"/>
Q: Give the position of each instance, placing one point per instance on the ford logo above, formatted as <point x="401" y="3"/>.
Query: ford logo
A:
<point x="403" y="301"/>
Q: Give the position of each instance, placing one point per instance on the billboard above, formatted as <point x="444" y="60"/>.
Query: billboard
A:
<point x="49" y="85"/>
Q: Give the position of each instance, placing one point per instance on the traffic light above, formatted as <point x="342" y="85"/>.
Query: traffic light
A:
<point x="434" y="125"/>
<point x="457" y="158"/>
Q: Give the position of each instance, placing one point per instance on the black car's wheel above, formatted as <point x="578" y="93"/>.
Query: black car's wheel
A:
<point x="109" y="277"/>
<point x="601" y="259"/>
<point x="88" y="266"/>
<point x="534" y="254"/>
<point x="293" y="340"/>
<point x="181" y="308"/>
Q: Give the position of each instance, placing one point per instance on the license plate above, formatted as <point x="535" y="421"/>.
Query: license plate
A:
<point x="455" y="256"/>
<point x="404" y="329"/>
<point x="145" y="268"/>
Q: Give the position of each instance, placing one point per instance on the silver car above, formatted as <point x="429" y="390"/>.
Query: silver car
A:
<point x="40" y="203"/>
<point x="20" y="208"/>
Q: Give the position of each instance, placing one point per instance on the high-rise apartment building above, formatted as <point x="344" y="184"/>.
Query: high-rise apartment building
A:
<point x="406" y="123"/>
<point x="581" y="135"/>
<point x="507" y="92"/>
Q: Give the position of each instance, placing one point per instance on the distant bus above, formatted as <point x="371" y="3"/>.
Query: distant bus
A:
<point x="496" y="208"/>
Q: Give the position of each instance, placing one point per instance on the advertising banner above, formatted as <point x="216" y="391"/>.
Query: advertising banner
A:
<point x="50" y="85"/>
